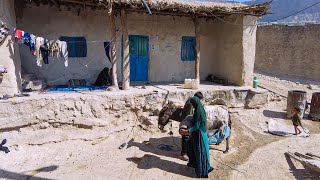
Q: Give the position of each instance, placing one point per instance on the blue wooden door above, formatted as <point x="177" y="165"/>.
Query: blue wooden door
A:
<point x="139" y="53"/>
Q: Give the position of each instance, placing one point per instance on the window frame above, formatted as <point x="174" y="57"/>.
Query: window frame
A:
<point x="188" y="48"/>
<point x="73" y="43"/>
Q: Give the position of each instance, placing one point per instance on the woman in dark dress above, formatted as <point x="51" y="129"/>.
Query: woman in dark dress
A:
<point x="198" y="151"/>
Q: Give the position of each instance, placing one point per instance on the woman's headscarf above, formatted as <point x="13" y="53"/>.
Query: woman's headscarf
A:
<point x="199" y="112"/>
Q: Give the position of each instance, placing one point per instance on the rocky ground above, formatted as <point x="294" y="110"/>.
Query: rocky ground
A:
<point x="69" y="152"/>
<point x="282" y="84"/>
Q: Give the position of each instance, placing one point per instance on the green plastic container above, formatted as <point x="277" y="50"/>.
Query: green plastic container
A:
<point x="255" y="82"/>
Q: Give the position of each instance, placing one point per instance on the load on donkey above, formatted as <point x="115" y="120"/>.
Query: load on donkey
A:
<point x="218" y="120"/>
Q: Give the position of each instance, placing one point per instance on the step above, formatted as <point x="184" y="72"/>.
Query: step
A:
<point x="35" y="85"/>
<point x="38" y="84"/>
<point x="28" y="77"/>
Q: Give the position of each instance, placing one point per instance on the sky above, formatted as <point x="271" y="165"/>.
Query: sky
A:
<point x="241" y="0"/>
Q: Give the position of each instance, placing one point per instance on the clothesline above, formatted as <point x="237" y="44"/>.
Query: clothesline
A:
<point x="42" y="48"/>
<point x="82" y="68"/>
<point x="97" y="41"/>
<point x="101" y="41"/>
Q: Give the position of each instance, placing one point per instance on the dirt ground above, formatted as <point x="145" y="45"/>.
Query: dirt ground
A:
<point x="77" y="153"/>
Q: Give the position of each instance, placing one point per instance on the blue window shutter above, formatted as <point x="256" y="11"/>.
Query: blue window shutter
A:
<point x="188" y="48"/>
<point x="77" y="46"/>
<point x="74" y="44"/>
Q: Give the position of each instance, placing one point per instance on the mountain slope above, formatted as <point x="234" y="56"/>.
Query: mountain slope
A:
<point x="282" y="8"/>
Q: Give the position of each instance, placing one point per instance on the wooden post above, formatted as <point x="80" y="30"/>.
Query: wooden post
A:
<point x="113" y="50"/>
<point x="296" y="99"/>
<point x="315" y="106"/>
<point x="126" y="63"/>
<point x="197" y="32"/>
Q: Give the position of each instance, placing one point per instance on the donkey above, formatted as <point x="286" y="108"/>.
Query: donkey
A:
<point x="172" y="112"/>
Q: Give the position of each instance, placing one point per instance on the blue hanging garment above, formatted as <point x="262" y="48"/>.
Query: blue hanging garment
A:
<point x="45" y="52"/>
<point x="107" y="49"/>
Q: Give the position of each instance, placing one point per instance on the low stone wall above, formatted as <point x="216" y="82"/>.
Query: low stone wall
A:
<point x="89" y="110"/>
<point x="289" y="50"/>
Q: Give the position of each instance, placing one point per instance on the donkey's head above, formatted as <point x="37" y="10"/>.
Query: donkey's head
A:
<point x="166" y="114"/>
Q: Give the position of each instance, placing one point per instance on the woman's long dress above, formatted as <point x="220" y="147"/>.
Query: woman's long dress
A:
<point x="198" y="151"/>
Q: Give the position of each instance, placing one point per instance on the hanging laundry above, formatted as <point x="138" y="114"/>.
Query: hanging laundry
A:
<point x="39" y="43"/>
<point x="32" y="44"/>
<point x="4" y="31"/>
<point x="64" y="52"/>
<point x="54" y="47"/>
<point x="18" y="36"/>
<point x="107" y="49"/>
<point x="45" y="52"/>
<point x="3" y="69"/>
<point x="26" y="39"/>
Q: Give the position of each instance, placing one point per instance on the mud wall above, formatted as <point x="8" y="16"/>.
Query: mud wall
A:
<point x="222" y="45"/>
<point x="234" y="54"/>
<point x="289" y="50"/>
<point x="10" y="83"/>
<point x="164" y="32"/>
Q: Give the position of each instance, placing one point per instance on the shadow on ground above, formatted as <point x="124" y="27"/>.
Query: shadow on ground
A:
<point x="29" y="175"/>
<point x="150" y="161"/>
<point x="301" y="174"/>
<point x="164" y="146"/>
<point x="275" y="114"/>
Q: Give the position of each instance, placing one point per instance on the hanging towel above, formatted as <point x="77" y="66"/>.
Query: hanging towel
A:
<point x="45" y="52"/>
<point x="107" y="49"/>
<point x="32" y="44"/>
<point x="4" y="31"/>
<point x="3" y="69"/>
<point x="54" y="48"/>
<point x="26" y="39"/>
<point x="18" y="36"/>
<point x="39" y="43"/>
<point x="64" y="52"/>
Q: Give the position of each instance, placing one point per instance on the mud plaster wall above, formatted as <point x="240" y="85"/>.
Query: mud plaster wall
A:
<point x="289" y="50"/>
<point x="51" y="23"/>
<point x="236" y="50"/>
<point x="10" y="83"/>
<point x="165" y="33"/>
<point x="249" y="49"/>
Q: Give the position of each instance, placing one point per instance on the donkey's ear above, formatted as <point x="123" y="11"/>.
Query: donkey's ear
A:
<point x="173" y="107"/>
<point x="164" y="108"/>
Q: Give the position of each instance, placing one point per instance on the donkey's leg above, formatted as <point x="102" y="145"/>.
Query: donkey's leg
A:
<point x="227" y="145"/>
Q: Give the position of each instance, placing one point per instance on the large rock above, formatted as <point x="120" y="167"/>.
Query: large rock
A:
<point x="257" y="98"/>
<point x="68" y="108"/>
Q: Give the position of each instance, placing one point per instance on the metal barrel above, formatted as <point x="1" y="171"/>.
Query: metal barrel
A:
<point x="315" y="106"/>
<point x="296" y="99"/>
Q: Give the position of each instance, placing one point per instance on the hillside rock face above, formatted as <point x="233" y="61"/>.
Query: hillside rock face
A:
<point x="282" y="8"/>
<point x="88" y="111"/>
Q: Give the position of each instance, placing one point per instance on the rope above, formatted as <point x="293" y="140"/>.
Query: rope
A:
<point x="85" y="66"/>
<point x="296" y="12"/>
<point x="175" y="143"/>
<point x="230" y="167"/>
<point x="270" y="21"/>
<point x="125" y="143"/>
<point x="253" y="25"/>
<point x="166" y="147"/>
